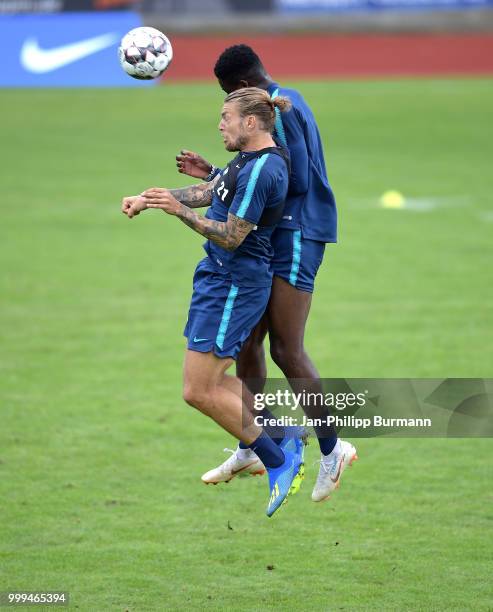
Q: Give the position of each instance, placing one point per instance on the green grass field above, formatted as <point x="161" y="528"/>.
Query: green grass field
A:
<point x="100" y="460"/>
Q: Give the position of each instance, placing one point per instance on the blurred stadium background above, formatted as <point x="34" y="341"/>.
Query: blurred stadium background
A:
<point x="99" y="458"/>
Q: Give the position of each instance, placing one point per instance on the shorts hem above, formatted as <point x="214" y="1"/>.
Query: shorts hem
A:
<point x="307" y="234"/>
<point x="299" y="287"/>
<point x="213" y="348"/>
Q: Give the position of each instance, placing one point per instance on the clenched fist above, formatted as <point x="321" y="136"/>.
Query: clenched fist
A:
<point x="133" y="205"/>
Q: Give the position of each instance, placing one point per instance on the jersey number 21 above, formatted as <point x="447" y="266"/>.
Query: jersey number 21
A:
<point x="225" y="191"/>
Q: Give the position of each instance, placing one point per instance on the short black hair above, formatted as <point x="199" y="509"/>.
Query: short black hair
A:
<point x="237" y="63"/>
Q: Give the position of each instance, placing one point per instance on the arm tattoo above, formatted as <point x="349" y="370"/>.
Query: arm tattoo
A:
<point x="195" y="196"/>
<point x="226" y="234"/>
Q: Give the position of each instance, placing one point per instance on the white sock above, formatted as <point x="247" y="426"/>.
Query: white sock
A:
<point x="244" y="453"/>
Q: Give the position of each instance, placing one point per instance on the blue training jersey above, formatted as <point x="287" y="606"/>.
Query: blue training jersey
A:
<point x="257" y="193"/>
<point x="310" y="204"/>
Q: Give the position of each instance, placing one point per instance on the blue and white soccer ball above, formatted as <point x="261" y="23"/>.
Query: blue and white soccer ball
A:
<point x="145" y="53"/>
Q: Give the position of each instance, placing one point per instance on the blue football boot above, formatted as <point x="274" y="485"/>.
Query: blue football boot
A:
<point x="295" y="440"/>
<point x="284" y="480"/>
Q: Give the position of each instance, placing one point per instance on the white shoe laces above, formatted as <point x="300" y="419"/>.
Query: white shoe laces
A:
<point x="231" y="459"/>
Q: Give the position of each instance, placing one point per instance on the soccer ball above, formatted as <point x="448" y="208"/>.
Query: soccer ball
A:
<point x="145" y="53"/>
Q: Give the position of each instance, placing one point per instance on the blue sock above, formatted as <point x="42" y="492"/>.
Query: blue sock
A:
<point x="276" y="432"/>
<point x="267" y="450"/>
<point x="327" y="444"/>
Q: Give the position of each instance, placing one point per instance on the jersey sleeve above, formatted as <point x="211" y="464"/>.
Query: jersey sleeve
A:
<point x="213" y="174"/>
<point x="291" y="133"/>
<point x="253" y="189"/>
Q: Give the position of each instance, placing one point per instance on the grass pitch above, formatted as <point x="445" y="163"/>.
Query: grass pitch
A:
<point x="100" y="459"/>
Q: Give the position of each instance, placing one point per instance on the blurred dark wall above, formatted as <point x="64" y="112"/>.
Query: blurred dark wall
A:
<point x="252" y="6"/>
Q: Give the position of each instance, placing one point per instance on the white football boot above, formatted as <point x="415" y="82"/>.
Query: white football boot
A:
<point x="242" y="461"/>
<point x="331" y="468"/>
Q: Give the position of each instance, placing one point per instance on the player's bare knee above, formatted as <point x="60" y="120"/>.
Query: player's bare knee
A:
<point x="189" y="395"/>
<point x="196" y="396"/>
<point x="285" y="355"/>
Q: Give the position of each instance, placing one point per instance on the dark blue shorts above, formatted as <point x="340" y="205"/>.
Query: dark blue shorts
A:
<point x="296" y="259"/>
<point x="222" y="315"/>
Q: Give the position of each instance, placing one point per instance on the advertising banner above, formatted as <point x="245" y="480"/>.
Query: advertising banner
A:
<point x="16" y="7"/>
<point x="318" y="6"/>
<point x="65" y="50"/>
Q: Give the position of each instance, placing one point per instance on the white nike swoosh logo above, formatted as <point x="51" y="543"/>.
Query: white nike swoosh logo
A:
<point x="37" y="60"/>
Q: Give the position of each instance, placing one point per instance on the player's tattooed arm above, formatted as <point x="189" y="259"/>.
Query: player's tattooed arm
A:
<point x="226" y="234"/>
<point x="195" y="196"/>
